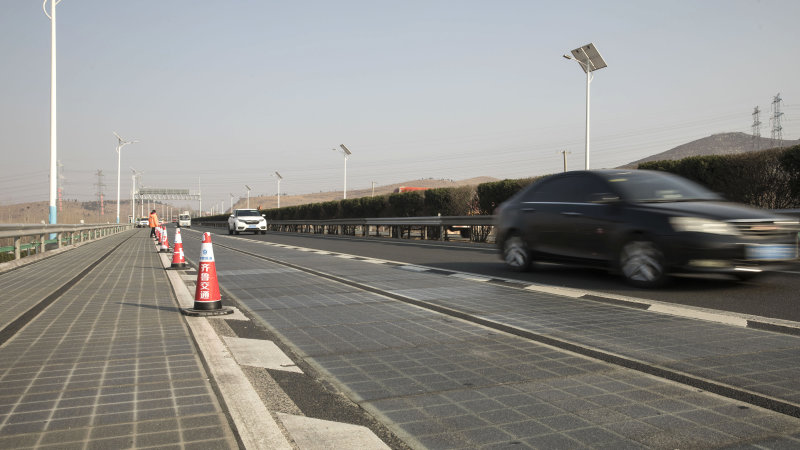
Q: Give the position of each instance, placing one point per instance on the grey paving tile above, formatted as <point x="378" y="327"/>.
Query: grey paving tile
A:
<point x="111" y="350"/>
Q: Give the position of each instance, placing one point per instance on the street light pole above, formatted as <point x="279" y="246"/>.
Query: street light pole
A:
<point x="590" y="60"/>
<point x="248" y="195"/>
<point x="120" y="143"/>
<point x="344" y="151"/>
<point x="280" y="178"/>
<point x="53" y="216"/>
<point x="133" y="194"/>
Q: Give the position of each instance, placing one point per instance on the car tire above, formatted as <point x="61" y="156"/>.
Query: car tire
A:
<point x="516" y="254"/>
<point x="642" y="263"/>
<point x="746" y="276"/>
<point x="236" y="232"/>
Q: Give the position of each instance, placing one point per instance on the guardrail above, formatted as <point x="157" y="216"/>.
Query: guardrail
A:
<point x="64" y="235"/>
<point x="476" y="228"/>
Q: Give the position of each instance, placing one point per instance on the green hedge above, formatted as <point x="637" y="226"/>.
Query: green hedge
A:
<point x="766" y="179"/>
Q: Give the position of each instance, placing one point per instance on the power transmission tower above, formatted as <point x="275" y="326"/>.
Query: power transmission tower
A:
<point x="777" y="129"/>
<point x="100" y="186"/>
<point x="756" y="129"/>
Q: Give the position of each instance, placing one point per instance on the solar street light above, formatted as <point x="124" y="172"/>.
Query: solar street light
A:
<point x="590" y="60"/>
<point x="248" y="195"/>
<point x="344" y="151"/>
<point x="279" y="177"/>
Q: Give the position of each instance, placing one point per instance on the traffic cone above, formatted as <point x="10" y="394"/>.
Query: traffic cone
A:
<point x="178" y="260"/>
<point x="207" y="300"/>
<point x="164" y="242"/>
<point x="158" y="235"/>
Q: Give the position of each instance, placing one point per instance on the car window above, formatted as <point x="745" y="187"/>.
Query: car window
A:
<point x="567" y="189"/>
<point x="646" y="186"/>
<point x="249" y="213"/>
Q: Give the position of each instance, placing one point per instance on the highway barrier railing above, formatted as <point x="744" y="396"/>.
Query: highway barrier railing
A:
<point x="474" y="228"/>
<point x="40" y="235"/>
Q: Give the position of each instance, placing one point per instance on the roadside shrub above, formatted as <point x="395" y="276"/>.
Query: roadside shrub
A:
<point x="408" y="204"/>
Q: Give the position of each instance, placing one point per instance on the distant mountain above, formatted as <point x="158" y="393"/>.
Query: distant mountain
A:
<point x="717" y="144"/>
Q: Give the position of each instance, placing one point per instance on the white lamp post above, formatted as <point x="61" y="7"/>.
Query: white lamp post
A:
<point x="248" y="195"/>
<point x="344" y="151"/>
<point x="279" y="177"/>
<point x="120" y="143"/>
<point x="53" y="123"/>
<point x="590" y="60"/>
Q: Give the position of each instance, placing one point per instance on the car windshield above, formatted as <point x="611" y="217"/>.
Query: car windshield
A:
<point x="649" y="187"/>
<point x="249" y="213"/>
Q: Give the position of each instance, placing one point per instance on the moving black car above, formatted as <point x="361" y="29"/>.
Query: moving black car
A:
<point x="642" y="224"/>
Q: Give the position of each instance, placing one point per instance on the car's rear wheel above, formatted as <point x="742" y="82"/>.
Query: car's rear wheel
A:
<point x="642" y="263"/>
<point x="516" y="254"/>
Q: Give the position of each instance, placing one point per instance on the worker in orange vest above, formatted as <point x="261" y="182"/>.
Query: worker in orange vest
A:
<point x="153" y="222"/>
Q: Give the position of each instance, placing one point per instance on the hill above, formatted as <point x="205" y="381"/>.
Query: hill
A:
<point x="717" y="144"/>
<point x="268" y="202"/>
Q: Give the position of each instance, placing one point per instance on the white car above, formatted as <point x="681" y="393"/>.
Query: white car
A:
<point x="247" y="220"/>
<point x="185" y="220"/>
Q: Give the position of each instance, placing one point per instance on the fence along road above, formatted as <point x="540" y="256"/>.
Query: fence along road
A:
<point x="459" y="361"/>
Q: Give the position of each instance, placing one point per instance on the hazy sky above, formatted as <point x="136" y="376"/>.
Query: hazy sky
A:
<point x="227" y="92"/>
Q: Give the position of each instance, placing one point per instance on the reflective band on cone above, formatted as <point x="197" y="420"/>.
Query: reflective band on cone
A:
<point x="207" y="300"/>
<point x="178" y="260"/>
<point x="164" y="242"/>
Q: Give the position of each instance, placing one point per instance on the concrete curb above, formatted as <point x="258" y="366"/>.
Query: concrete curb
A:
<point x="255" y="426"/>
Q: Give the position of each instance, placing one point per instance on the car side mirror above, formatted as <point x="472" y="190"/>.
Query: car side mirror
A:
<point x="231" y="215"/>
<point x="263" y="215"/>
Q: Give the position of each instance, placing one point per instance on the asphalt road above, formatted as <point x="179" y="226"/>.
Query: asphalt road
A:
<point x="774" y="295"/>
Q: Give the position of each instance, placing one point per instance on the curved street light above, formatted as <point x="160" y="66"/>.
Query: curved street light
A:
<point x="120" y="143"/>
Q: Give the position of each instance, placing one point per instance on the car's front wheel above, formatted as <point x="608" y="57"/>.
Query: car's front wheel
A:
<point x="642" y="264"/>
<point x="516" y="254"/>
<point x="746" y="276"/>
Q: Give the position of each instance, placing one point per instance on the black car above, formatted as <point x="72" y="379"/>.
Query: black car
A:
<point x="642" y="224"/>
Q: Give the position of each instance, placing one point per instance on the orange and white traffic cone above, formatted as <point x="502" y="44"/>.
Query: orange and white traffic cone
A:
<point x="158" y="235"/>
<point x="207" y="299"/>
<point x="164" y="242"/>
<point x="178" y="260"/>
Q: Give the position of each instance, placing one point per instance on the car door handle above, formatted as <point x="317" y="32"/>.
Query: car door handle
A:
<point x="528" y="209"/>
<point x="571" y="213"/>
